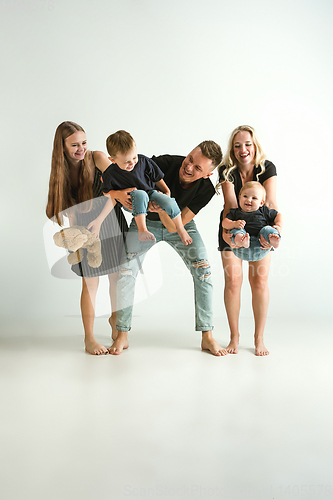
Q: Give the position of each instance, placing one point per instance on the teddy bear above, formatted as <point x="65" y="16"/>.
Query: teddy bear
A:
<point x="75" y="239"/>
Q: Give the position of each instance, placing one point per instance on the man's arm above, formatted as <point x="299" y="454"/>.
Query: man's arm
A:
<point x="122" y="195"/>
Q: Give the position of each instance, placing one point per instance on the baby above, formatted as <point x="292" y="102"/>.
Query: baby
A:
<point x="129" y="169"/>
<point x="252" y="220"/>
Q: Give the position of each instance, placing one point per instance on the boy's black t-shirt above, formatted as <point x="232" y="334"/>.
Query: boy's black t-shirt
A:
<point x="194" y="198"/>
<point x="143" y="176"/>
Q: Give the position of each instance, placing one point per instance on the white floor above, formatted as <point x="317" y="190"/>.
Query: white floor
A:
<point x="165" y="420"/>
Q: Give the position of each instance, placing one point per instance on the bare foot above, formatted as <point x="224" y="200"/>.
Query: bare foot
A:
<point x="233" y="347"/>
<point x="274" y="240"/>
<point x="260" y="349"/>
<point x="146" y="236"/>
<point x="112" y="323"/>
<point x="209" y="344"/>
<point x="93" y="347"/>
<point x="185" y="237"/>
<point x="119" y="344"/>
<point x="242" y="240"/>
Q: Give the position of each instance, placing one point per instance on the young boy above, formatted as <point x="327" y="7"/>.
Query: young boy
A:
<point x="252" y="220"/>
<point x="130" y="169"/>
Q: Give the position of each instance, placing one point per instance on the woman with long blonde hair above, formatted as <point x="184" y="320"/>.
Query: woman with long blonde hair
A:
<point x="245" y="161"/>
<point x="75" y="191"/>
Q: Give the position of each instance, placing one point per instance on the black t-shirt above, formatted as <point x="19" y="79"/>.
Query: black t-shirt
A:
<point x="256" y="220"/>
<point x="195" y="198"/>
<point x="143" y="176"/>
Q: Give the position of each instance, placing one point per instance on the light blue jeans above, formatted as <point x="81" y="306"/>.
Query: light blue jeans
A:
<point x="140" y="200"/>
<point x="254" y="252"/>
<point x="194" y="257"/>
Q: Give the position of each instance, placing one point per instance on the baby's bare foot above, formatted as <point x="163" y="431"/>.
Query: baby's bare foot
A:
<point x="242" y="240"/>
<point x="274" y="240"/>
<point x="233" y="347"/>
<point x="93" y="347"/>
<point x="260" y="349"/>
<point x="119" y="344"/>
<point x="209" y="344"/>
<point x="146" y="236"/>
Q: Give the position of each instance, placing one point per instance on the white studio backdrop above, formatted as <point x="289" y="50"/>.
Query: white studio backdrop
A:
<point x="172" y="74"/>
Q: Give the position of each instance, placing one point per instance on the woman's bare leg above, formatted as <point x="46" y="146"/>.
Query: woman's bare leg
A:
<point x="113" y="279"/>
<point x="233" y="278"/>
<point x="258" y="278"/>
<point x="88" y="299"/>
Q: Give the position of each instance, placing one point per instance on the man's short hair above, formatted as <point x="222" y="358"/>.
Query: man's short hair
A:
<point x="212" y="151"/>
<point x="119" y="142"/>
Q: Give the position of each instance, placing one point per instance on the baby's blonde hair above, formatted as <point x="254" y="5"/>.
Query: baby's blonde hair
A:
<point x="254" y="184"/>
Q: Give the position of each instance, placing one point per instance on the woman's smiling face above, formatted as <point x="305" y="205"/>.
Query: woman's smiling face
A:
<point x="244" y="148"/>
<point x="76" y="146"/>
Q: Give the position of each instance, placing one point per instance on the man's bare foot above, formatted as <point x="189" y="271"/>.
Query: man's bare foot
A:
<point x="93" y="347"/>
<point x="184" y="236"/>
<point x="146" y="236"/>
<point x="274" y="240"/>
<point x="242" y="240"/>
<point x="119" y="344"/>
<point x="209" y="344"/>
<point x="233" y="347"/>
<point x="260" y="349"/>
<point x="113" y="323"/>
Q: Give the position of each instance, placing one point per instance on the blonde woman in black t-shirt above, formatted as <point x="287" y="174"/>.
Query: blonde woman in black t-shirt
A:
<point x="245" y="161"/>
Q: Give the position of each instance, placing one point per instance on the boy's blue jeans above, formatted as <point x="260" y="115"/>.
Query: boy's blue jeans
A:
<point x="140" y="200"/>
<point x="194" y="257"/>
<point x="254" y="252"/>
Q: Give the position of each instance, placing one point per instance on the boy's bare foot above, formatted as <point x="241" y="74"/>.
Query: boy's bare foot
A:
<point x="146" y="236"/>
<point x="112" y="323"/>
<point x="233" y="347"/>
<point x="119" y="344"/>
<point x="242" y="240"/>
<point x="93" y="347"/>
<point x="184" y="236"/>
<point x="209" y="344"/>
<point x="260" y="349"/>
<point x="274" y="240"/>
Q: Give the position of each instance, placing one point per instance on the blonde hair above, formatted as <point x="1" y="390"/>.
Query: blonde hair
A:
<point x="230" y="161"/>
<point x="119" y="142"/>
<point x="254" y="184"/>
<point x="60" y="196"/>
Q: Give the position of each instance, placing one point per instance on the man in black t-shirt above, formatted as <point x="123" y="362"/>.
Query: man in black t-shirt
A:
<point x="189" y="183"/>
